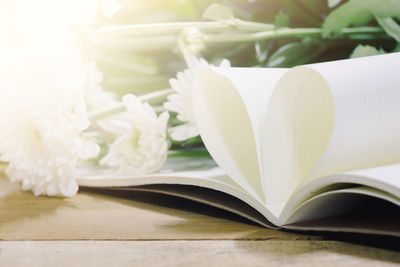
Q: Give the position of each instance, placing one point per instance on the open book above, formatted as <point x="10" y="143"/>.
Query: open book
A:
<point x="305" y="148"/>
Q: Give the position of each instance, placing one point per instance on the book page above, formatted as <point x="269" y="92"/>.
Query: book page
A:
<point x="298" y="126"/>
<point x="198" y="179"/>
<point x="335" y="202"/>
<point x="229" y="105"/>
<point x="356" y="210"/>
<point x="383" y="181"/>
<point x="330" y="118"/>
<point x="206" y="196"/>
<point x="366" y="128"/>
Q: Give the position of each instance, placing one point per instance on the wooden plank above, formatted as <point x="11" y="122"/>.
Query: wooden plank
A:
<point x="192" y="253"/>
<point x="119" y="216"/>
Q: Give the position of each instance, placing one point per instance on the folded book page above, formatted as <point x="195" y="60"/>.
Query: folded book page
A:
<point x="356" y="210"/>
<point x="384" y="179"/>
<point x="184" y="177"/>
<point x="296" y="130"/>
<point x="284" y="137"/>
<point x="229" y="105"/>
<point x="331" y="203"/>
<point x="286" y="142"/>
<point x="321" y="119"/>
<point x="329" y="118"/>
<point x="365" y="130"/>
<point x="208" y="196"/>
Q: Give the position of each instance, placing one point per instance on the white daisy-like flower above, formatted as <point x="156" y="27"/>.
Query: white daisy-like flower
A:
<point x="42" y="114"/>
<point x="181" y="101"/>
<point x="141" y="145"/>
<point x="95" y="97"/>
<point x="42" y="92"/>
<point x="191" y="41"/>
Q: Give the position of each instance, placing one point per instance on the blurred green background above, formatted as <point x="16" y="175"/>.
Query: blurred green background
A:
<point x="144" y="63"/>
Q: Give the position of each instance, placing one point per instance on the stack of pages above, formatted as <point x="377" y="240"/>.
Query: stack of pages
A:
<point x="315" y="147"/>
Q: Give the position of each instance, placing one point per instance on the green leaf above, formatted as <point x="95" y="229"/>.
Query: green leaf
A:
<point x="397" y="48"/>
<point x="218" y="12"/>
<point x="365" y="51"/>
<point x="189" y="153"/>
<point x="390" y="26"/>
<point x="348" y="13"/>
<point x="358" y="12"/>
<point x="296" y="53"/>
<point x="281" y="20"/>
<point x="262" y="50"/>
<point x="383" y="8"/>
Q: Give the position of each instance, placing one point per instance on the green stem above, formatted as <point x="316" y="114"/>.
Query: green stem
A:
<point x="158" y="36"/>
<point x="135" y="43"/>
<point x="250" y="37"/>
<point x="126" y="64"/>
<point x="106" y="112"/>
<point x="177" y="27"/>
<point x="156" y="95"/>
<point x="252" y="26"/>
<point x="160" y="28"/>
<point x="189" y="153"/>
<point x="284" y="32"/>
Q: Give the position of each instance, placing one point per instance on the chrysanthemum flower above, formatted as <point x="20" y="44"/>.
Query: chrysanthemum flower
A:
<point x="141" y="145"/>
<point x="42" y="88"/>
<point x="181" y="101"/>
<point x="95" y="97"/>
<point x="42" y="114"/>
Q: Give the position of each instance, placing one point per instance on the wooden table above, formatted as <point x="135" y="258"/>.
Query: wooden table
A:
<point x="100" y="228"/>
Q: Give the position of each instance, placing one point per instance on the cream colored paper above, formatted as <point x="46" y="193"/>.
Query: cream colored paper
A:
<point x="177" y="172"/>
<point x="285" y="136"/>
<point x="331" y="118"/>
<point x="321" y="119"/>
<point x="335" y="202"/>
<point x="366" y="133"/>
<point x="295" y="133"/>
<point x="229" y="105"/>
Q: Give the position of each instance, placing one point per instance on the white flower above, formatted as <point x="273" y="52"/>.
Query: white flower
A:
<point x="181" y="101"/>
<point x="141" y="145"/>
<point x="42" y="92"/>
<point x="95" y="96"/>
<point x="191" y="41"/>
<point x="42" y="114"/>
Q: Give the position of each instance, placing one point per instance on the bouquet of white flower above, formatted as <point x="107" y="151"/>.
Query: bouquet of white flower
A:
<point x="87" y="83"/>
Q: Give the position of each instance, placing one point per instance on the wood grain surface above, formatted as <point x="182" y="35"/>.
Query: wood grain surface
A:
<point x="103" y="228"/>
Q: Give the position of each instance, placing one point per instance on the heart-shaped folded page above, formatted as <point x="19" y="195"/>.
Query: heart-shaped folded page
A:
<point x="229" y="105"/>
<point x="297" y="129"/>
<point x="330" y="118"/>
<point x="273" y="130"/>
